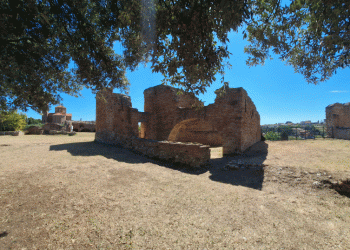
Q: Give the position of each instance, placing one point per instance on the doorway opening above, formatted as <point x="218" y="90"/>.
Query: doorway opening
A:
<point x="141" y="129"/>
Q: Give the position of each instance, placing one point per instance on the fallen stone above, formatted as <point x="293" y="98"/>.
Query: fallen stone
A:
<point x="317" y="184"/>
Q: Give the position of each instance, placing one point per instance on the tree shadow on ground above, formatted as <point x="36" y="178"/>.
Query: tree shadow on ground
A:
<point x="117" y="153"/>
<point x="252" y="178"/>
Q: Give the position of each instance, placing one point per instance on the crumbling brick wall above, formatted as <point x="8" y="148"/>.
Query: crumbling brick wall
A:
<point x="114" y="117"/>
<point x="231" y="122"/>
<point x="196" y="130"/>
<point x="52" y="126"/>
<point x="338" y="120"/>
<point x="82" y="126"/>
<point x="250" y="127"/>
<point x="233" y="118"/>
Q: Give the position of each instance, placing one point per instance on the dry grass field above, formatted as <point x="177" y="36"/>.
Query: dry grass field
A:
<point x="67" y="192"/>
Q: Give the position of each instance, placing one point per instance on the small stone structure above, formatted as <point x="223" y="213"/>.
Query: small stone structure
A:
<point x="172" y="128"/>
<point x="35" y="130"/>
<point x="84" y="126"/>
<point x="60" y="116"/>
<point x="52" y="126"/>
<point x="338" y="120"/>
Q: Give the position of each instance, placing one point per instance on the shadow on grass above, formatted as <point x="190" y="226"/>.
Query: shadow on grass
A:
<point x="249" y="177"/>
<point x="94" y="149"/>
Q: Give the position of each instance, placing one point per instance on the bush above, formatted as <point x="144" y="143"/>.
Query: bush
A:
<point x="287" y="129"/>
<point x="33" y="125"/>
<point x="284" y="135"/>
<point x="272" y="136"/>
<point x="12" y="121"/>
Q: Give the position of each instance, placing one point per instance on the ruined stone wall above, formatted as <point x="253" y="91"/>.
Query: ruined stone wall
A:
<point x="194" y="155"/>
<point x="161" y="102"/>
<point x="231" y="122"/>
<point x="114" y="118"/>
<point x="117" y="123"/>
<point x="187" y="100"/>
<point x="52" y="126"/>
<point x="225" y="119"/>
<point x="226" y="115"/>
<point x="35" y="130"/>
<point x="251" y="130"/>
<point x="197" y="130"/>
<point x="342" y="133"/>
<point x="82" y="126"/>
<point x="338" y="117"/>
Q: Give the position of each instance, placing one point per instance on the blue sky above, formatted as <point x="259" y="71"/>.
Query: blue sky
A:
<point x="278" y="93"/>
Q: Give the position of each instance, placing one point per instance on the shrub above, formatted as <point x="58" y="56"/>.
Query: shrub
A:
<point x="284" y="135"/>
<point x="33" y="125"/>
<point x="12" y="121"/>
<point x="272" y="136"/>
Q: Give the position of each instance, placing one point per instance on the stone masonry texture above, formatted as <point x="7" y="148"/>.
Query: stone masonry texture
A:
<point x="174" y="126"/>
<point x="338" y="120"/>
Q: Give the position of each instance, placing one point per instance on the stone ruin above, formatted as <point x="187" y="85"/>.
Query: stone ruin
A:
<point x="171" y="128"/>
<point x="338" y="120"/>
<point x="84" y="126"/>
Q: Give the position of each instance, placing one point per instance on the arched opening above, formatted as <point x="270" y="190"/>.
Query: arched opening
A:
<point x="196" y="130"/>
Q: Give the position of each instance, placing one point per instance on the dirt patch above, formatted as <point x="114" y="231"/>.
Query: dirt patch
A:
<point x="61" y="192"/>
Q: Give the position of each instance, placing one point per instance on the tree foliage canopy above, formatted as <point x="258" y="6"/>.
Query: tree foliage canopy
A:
<point x="311" y="35"/>
<point x="32" y="121"/>
<point x="185" y="40"/>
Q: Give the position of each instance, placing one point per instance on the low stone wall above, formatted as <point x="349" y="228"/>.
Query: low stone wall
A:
<point x="342" y="133"/>
<point x="83" y="126"/>
<point x="194" y="155"/>
<point x="14" y="133"/>
<point x="35" y="130"/>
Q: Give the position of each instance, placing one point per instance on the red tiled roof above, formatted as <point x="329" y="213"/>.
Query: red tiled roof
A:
<point x="55" y="114"/>
<point x="68" y="114"/>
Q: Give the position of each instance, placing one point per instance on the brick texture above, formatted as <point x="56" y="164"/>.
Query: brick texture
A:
<point x="338" y="120"/>
<point x="83" y="126"/>
<point x="171" y="124"/>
